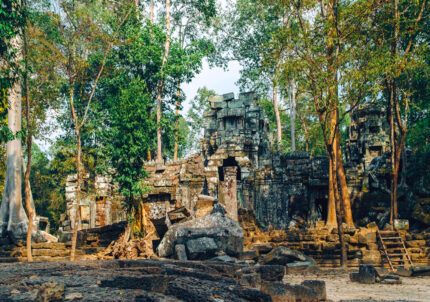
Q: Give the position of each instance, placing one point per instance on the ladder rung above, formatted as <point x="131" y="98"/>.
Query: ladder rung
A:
<point x="393" y="243"/>
<point x="387" y="232"/>
<point x="396" y="254"/>
<point x="389" y="238"/>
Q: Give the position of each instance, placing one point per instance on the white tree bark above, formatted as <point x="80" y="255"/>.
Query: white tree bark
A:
<point x="293" y="114"/>
<point x="277" y="117"/>
<point x="13" y="220"/>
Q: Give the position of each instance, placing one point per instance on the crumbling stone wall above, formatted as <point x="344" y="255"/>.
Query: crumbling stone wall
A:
<point x="99" y="205"/>
<point x="173" y="185"/>
<point x="368" y="138"/>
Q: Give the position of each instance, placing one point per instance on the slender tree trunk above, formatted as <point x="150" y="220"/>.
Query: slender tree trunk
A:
<point x="151" y="12"/>
<point x="148" y="154"/>
<point x="178" y="97"/>
<point x="79" y="176"/>
<point x="393" y="187"/>
<point x="346" y="200"/>
<point x="306" y="135"/>
<point x="276" y="109"/>
<point x="27" y="190"/>
<point x="13" y="219"/>
<point x="392" y="95"/>
<point x="293" y="114"/>
<point x="161" y="83"/>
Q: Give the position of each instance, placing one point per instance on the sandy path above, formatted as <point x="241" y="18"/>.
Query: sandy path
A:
<point x="339" y="287"/>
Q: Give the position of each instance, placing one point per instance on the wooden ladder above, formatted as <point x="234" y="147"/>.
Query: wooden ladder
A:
<point x="394" y="249"/>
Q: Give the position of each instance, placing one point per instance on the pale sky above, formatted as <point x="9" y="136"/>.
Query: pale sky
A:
<point x="217" y="79"/>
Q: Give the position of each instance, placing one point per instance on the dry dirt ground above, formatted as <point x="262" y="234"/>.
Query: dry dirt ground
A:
<point x="339" y="287"/>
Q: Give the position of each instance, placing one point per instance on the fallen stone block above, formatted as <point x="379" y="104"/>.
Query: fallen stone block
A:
<point x="401" y="271"/>
<point x="252" y="280"/>
<point x="420" y="270"/>
<point x="318" y="286"/>
<point x="262" y="248"/>
<point x="283" y="256"/>
<point x="301" y="266"/>
<point x="283" y="292"/>
<point x="180" y="252"/>
<point x="367" y="274"/>
<point x="249" y="255"/>
<point x="201" y="248"/>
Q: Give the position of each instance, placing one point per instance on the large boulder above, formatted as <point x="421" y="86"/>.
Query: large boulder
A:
<point x="215" y="227"/>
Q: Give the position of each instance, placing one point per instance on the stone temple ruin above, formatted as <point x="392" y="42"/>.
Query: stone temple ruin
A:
<point x="238" y="166"/>
<point x="270" y="193"/>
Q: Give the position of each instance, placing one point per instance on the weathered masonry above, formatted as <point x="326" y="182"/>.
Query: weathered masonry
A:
<point x="99" y="205"/>
<point x="274" y="186"/>
<point x="239" y="166"/>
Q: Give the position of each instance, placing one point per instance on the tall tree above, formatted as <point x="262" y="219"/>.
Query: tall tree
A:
<point x="13" y="219"/>
<point x="161" y="83"/>
<point x="81" y="37"/>
<point x="191" y="22"/>
<point x="401" y="24"/>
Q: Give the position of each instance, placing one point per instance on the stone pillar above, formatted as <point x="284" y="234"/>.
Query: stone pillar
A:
<point x="228" y="192"/>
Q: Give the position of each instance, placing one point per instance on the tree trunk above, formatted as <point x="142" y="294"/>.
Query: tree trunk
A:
<point x="148" y="154"/>
<point x="178" y="96"/>
<point x="79" y="177"/>
<point x="27" y="190"/>
<point x="293" y="115"/>
<point x="331" y="210"/>
<point x="276" y="109"/>
<point x="346" y="201"/>
<point x="161" y="83"/>
<point x="151" y="12"/>
<point x="390" y="113"/>
<point x="13" y="220"/>
<point x="344" y="256"/>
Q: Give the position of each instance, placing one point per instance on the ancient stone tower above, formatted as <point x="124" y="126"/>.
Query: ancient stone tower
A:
<point x="237" y="141"/>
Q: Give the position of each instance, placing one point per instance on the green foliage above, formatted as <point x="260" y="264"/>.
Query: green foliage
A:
<point x="127" y="136"/>
<point x="199" y="104"/>
<point x="12" y="19"/>
<point x="48" y="181"/>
